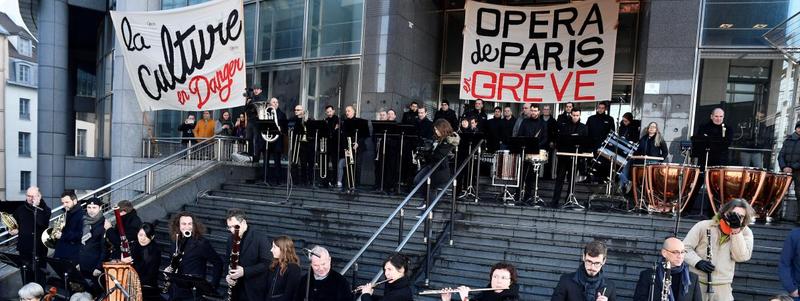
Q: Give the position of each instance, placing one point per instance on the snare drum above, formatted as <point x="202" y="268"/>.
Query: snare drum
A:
<point x="506" y="165"/>
<point x="725" y="183"/>
<point x="537" y="158"/>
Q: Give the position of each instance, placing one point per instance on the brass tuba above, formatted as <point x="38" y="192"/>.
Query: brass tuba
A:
<point x="267" y="113"/>
<point x="49" y="236"/>
<point x="8" y="221"/>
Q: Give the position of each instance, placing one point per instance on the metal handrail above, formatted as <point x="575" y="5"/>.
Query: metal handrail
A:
<point x="429" y="209"/>
<point x="391" y="217"/>
<point x="144" y="170"/>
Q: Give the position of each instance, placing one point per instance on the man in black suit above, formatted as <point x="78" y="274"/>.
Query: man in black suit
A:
<point x="30" y="229"/>
<point x="446" y="113"/>
<point x="274" y="174"/>
<point x="249" y="278"/>
<point x="424" y="124"/>
<point x="684" y="285"/>
<point x="68" y="246"/>
<point x="588" y="283"/>
<point x="410" y="116"/>
<point x="197" y="254"/>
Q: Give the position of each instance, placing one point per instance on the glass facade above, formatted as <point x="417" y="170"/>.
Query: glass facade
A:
<point x="334" y="27"/>
<point x="280" y="31"/>
<point x="741" y="23"/>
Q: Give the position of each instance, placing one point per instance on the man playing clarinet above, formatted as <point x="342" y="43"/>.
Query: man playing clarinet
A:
<point x="248" y="279"/>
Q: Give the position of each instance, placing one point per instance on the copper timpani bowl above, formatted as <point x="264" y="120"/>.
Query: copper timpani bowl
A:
<point x="638" y="179"/>
<point x="774" y="189"/>
<point x="725" y="183"/>
<point x="666" y="182"/>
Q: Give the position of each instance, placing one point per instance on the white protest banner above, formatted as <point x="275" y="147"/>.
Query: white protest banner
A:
<point x="189" y="58"/>
<point x="541" y="54"/>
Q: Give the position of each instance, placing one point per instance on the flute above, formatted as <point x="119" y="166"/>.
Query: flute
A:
<point x="374" y="285"/>
<point x="453" y="290"/>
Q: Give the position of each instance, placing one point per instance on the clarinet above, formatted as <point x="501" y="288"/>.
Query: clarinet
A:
<point x="124" y="245"/>
<point x="666" y="282"/>
<point x="177" y="257"/>
<point x="709" y="289"/>
<point x="235" y="239"/>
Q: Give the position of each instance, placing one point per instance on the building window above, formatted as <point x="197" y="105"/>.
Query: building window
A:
<point x="334" y="27"/>
<point x="87" y="84"/>
<point x="80" y="143"/>
<point x="24" y="109"/>
<point x="24" y="144"/>
<point x="24" y="180"/>
<point x="23" y="73"/>
<point x="281" y="29"/>
<point x="742" y="23"/>
<point x="25" y="47"/>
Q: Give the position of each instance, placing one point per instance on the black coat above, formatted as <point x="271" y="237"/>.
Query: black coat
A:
<point x="790" y="153"/>
<point x="570" y="131"/>
<point x="254" y="257"/>
<point x="399" y="290"/>
<point x="93" y="251"/>
<point x="630" y="132"/>
<point x="717" y="156"/>
<point x="147" y="263"/>
<point x="68" y="246"/>
<point x="442" y="174"/>
<point x="599" y="126"/>
<point x="569" y="290"/>
<point x="425" y="128"/>
<point x="197" y="254"/>
<point x="643" y="288"/>
<point x="647" y="147"/>
<point x="26" y="228"/>
<point x="448" y="115"/>
<point x="186" y="130"/>
<point x="283" y="286"/>
<point x="131" y="223"/>
<point x="507" y="128"/>
<point x="410" y="117"/>
<point x="277" y="145"/>
<point x="333" y="288"/>
<point x="535" y="128"/>
<point x="511" y="294"/>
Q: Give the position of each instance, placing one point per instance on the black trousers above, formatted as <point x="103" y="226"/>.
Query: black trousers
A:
<point x="564" y="170"/>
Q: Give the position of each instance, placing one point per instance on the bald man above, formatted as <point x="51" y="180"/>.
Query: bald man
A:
<point x="716" y="130"/>
<point x="684" y="285"/>
<point x="302" y="162"/>
<point x="32" y="219"/>
<point x="326" y="284"/>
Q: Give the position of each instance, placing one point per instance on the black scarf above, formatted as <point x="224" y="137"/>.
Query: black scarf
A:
<point x="591" y="285"/>
<point x="680" y="271"/>
<point x="510" y="294"/>
<point x="88" y="222"/>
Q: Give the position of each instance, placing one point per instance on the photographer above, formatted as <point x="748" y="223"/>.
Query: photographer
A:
<point x="187" y="130"/>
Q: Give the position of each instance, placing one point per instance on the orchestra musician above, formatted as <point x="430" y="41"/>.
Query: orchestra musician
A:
<point x="650" y="144"/>
<point x="411" y="116"/>
<point x="446" y="113"/>
<point x="332" y="120"/>
<point x="274" y="174"/>
<point x="146" y="256"/>
<point x="398" y="286"/>
<point x="565" y="115"/>
<point x="552" y="131"/>
<point x="598" y="126"/>
<point x="507" y="125"/>
<point x="30" y="229"/>
<point x="354" y="128"/>
<point x="789" y="162"/>
<point x="478" y="114"/>
<point x="731" y="242"/>
<point x="589" y="282"/>
<point x="683" y="283"/>
<point x="93" y="251"/>
<point x="130" y="222"/>
<point x="68" y="246"/>
<point x="502" y="278"/>
<point x="522" y="116"/>
<point x="250" y="276"/>
<point x="444" y="144"/>
<point x="303" y="169"/>
<point x="533" y="126"/>
<point x="255" y="143"/>
<point x="493" y="128"/>
<point x="716" y="129"/>
<point x="284" y="271"/>
<point x="325" y="284"/>
<point x="197" y="254"/>
<point x="628" y="128"/>
<point x="387" y="164"/>
<point x="573" y="129"/>
<point x="424" y="124"/>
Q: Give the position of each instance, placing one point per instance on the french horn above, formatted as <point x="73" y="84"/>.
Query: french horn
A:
<point x="267" y="113"/>
<point x="8" y="221"/>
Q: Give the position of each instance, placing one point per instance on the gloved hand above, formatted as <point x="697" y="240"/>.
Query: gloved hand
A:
<point x="705" y="266"/>
<point x="734" y="219"/>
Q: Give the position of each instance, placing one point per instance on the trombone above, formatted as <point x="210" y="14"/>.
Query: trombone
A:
<point x="296" y="140"/>
<point x="350" y="164"/>
<point x="323" y="157"/>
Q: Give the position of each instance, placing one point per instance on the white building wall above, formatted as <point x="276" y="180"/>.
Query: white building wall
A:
<point x="13" y="125"/>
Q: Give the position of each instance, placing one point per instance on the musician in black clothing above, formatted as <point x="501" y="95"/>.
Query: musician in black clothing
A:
<point x="187" y="130"/>
<point x="718" y="130"/>
<point x="552" y="130"/>
<point x="575" y="129"/>
<point x="256" y="144"/>
<point x="250" y="277"/>
<point x="507" y="125"/>
<point x="650" y="144"/>
<point x="599" y="125"/>
<point x="302" y="157"/>
<point x="445" y="143"/>
<point x="494" y="130"/>
<point x="502" y="278"/>
<point x="589" y="282"/>
<point x="388" y="159"/>
<point x="356" y="129"/>
<point x="424" y="124"/>
<point x="325" y="284"/>
<point x="478" y="114"/>
<point x="411" y="116"/>
<point x="535" y="127"/>
<point x="30" y="229"/>
<point x="93" y="251"/>
<point x="147" y="261"/>
<point x="446" y="113"/>
<point x="683" y="283"/>
<point x="130" y="222"/>
<point x="274" y="174"/>
<point x="398" y="286"/>
<point x="332" y="120"/>
<point x="197" y="254"/>
<point x="284" y="271"/>
<point x="566" y="115"/>
<point x="68" y="246"/>
<point x="628" y="128"/>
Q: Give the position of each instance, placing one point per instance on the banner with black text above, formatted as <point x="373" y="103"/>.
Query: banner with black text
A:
<point x="544" y="54"/>
<point x="190" y="58"/>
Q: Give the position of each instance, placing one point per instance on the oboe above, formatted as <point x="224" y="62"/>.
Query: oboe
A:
<point x="666" y="282"/>
<point x="709" y="289"/>
<point x="235" y="240"/>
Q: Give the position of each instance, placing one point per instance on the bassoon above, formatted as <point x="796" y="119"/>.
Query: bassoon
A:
<point x="124" y="245"/>
<point x="234" y="259"/>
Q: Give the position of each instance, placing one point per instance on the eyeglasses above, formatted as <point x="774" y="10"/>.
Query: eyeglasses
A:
<point x="501" y="277"/>
<point x="677" y="252"/>
<point x="596" y="264"/>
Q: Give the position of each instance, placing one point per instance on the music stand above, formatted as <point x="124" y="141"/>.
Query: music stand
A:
<point x="16" y="261"/>
<point x="525" y="146"/>
<point x="384" y="129"/>
<point x="701" y="147"/>
<point x="405" y="130"/>
<point x="580" y="143"/>
<point x="198" y="286"/>
<point x="320" y="129"/>
<point x="66" y="272"/>
<point x="268" y="127"/>
<point x="472" y="140"/>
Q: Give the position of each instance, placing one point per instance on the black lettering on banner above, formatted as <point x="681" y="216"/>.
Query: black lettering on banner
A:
<point x="195" y="48"/>
<point x="597" y="52"/>
<point x="593" y="17"/>
<point x="483" y="54"/>
<point x="533" y="54"/>
<point x="485" y="31"/>
<point x="132" y="43"/>
<point x="567" y="23"/>
<point x="505" y="51"/>
<point x="534" y="22"/>
<point x="552" y="50"/>
<point x="509" y="20"/>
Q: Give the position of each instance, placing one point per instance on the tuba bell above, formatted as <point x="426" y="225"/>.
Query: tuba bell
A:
<point x="8" y="221"/>
<point x="49" y="236"/>
<point x="267" y="113"/>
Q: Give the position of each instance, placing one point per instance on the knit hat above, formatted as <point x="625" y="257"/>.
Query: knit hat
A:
<point x="797" y="125"/>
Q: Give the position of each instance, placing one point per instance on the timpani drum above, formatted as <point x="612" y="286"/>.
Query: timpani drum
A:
<point x="506" y="165"/>
<point x="774" y="189"/>
<point x="665" y="186"/>
<point x="725" y="183"/>
<point x="638" y="179"/>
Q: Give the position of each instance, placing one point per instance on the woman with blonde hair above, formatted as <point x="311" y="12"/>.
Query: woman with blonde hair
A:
<point x="284" y="270"/>
<point x="650" y="144"/>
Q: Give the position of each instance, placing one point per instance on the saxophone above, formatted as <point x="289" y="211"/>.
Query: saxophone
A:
<point x="234" y="259"/>
<point x="666" y="282"/>
<point x="49" y="236"/>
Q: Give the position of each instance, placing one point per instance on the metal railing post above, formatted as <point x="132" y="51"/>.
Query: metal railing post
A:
<point x="218" y="141"/>
<point x="149" y="181"/>
<point x="427" y="202"/>
<point x="402" y="218"/>
<point x="453" y="210"/>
